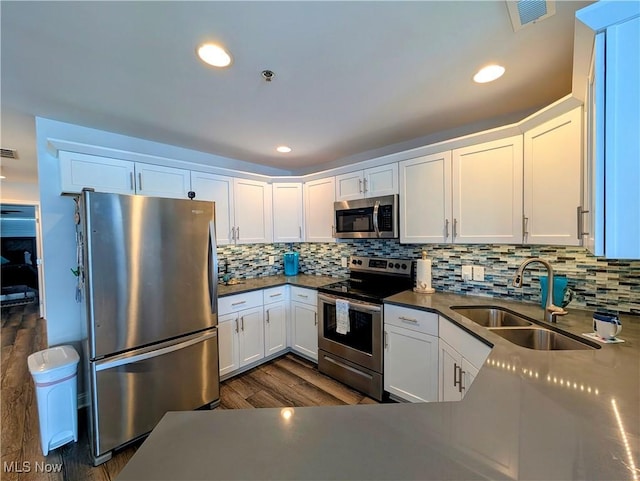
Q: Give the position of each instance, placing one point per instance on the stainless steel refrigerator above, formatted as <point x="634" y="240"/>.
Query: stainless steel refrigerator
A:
<point x="149" y="269"/>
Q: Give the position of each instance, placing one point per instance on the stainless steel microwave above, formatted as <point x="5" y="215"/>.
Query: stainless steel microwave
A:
<point x="372" y="218"/>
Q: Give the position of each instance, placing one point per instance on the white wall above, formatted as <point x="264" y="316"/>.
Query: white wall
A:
<point x="19" y="192"/>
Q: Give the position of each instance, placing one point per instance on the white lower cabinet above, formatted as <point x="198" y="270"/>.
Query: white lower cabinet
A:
<point x="460" y="356"/>
<point x="250" y="335"/>
<point x="410" y="354"/>
<point x="304" y="322"/>
<point x="275" y="320"/>
<point x="228" y="344"/>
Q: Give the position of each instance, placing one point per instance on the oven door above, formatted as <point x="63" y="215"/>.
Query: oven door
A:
<point x="362" y="344"/>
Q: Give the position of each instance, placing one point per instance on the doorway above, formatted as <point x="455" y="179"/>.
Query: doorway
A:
<point x="20" y="255"/>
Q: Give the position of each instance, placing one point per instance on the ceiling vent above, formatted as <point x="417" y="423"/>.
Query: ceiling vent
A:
<point x="8" y="153"/>
<point x="528" y="12"/>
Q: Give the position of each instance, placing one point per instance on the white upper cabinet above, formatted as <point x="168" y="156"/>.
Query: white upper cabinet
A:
<point x="425" y="203"/>
<point x="319" y="196"/>
<point x="158" y="181"/>
<point x="371" y="182"/>
<point x="612" y="169"/>
<point x="253" y="210"/>
<point x="218" y="189"/>
<point x="552" y="181"/>
<point x="288" y="212"/>
<point x="487" y="192"/>
<point x="105" y="174"/>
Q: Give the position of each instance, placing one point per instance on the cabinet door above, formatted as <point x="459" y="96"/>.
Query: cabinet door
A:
<point x="304" y="323"/>
<point x="287" y="212"/>
<point x="158" y="181"/>
<point x="275" y="328"/>
<point x="552" y="181"/>
<point x="450" y="364"/>
<point x="487" y="192"/>
<point x="319" y="196"/>
<point x="228" y="343"/>
<point x="103" y="174"/>
<point x="252" y="202"/>
<point x="410" y="364"/>
<point x="251" y="335"/>
<point x="381" y="180"/>
<point x="469" y="373"/>
<point x="350" y="186"/>
<point x="218" y="189"/>
<point x="425" y="199"/>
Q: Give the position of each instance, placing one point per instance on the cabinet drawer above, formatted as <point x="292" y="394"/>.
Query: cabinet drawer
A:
<point x="238" y="302"/>
<point x="274" y="294"/>
<point x="472" y="349"/>
<point x="306" y="296"/>
<point x="416" y="320"/>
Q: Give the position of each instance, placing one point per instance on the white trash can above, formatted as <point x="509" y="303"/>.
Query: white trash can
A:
<point x="54" y="373"/>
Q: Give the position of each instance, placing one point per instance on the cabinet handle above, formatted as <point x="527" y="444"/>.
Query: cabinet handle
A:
<point x="360" y="186"/>
<point x="131" y="181"/>
<point x="455" y="374"/>
<point x="525" y="227"/>
<point x="304" y="296"/>
<point x="581" y="213"/>
<point x="238" y="303"/>
<point x="140" y="180"/>
<point x="236" y="325"/>
<point x="276" y="295"/>
<point x="408" y="319"/>
<point x="300" y="230"/>
<point x="366" y="186"/>
<point x="386" y="340"/>
<point x="455" y="229"/>
<point x="446" y="229"/>
<point x="238" y="233"/>
<point x="333" y="231"/>
<point x="461" y="381"/>
<point x="242" y="325"/>
<point x="315" y="318"/>
<point x="267" y="319"/>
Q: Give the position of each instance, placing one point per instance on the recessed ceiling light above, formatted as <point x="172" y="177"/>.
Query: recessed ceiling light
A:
<point x="488" y="74"/>
<point x="283" y="149"/>
<point x="214" y="55"/>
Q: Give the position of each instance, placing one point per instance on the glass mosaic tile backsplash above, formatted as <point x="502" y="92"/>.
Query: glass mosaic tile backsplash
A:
<point x="598" y="284"/>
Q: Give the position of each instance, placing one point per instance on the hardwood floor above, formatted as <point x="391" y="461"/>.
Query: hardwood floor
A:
<point x="286" y="381"/>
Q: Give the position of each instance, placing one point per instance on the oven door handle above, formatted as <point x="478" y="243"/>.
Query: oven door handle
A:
<point x="356" y="305"/>
<point x="376" y="209"/>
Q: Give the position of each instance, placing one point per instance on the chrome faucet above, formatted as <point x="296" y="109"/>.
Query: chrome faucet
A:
<point x="550" y="311"/>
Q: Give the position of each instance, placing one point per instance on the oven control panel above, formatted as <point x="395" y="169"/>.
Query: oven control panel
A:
<point x="380" y="265"/>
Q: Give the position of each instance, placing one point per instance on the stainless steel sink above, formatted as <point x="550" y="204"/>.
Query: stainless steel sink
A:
<point x="488" y="316"/>
<point x="541" y="339"/>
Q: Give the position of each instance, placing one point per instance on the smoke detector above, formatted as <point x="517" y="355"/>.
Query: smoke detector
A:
<point x="527" y="12"/>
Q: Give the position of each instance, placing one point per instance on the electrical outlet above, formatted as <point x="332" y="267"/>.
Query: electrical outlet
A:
<point x="478" y="273"/>
<point x="272" y="260"/>
<point x="344" y="261"/>
<point x="467" y="273"/>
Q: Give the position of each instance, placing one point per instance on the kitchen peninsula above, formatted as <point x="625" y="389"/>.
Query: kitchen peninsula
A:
<point x="529" y="415"/>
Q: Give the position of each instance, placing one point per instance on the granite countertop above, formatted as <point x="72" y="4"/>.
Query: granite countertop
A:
<point x="256" y="283"/>
<point x="528" y="415"/>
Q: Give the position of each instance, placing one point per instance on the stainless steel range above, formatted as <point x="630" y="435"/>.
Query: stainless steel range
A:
<point x="350" y="327"/>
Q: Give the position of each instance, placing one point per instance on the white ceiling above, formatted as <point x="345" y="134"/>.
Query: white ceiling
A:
<point x="350" y="77"/>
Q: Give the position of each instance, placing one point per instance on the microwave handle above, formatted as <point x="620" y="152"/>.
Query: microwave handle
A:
<point x="376" y="208"/>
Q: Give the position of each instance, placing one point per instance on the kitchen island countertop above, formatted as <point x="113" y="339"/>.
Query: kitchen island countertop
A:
<point x="528" y="415"/>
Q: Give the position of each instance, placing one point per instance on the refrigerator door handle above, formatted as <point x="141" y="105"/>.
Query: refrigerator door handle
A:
<point x="213" y="268"/>
<point x="130" y="358"/>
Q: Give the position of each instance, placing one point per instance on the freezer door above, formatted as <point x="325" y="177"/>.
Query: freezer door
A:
<point x="132" y="392"/>
<point x="150" y="270"/>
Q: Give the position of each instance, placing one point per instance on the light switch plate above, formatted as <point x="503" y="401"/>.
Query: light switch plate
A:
<point x="344" y="261"/>
<point x="478" y="273"/>
<point x="467" y="273"/>
<point x="272" y="260"/>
